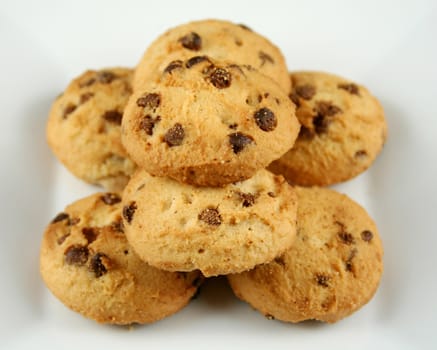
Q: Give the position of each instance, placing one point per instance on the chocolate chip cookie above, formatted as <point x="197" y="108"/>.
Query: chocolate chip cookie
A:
<point x="333" y="268"/>
<point x="179" y="227"/>
<point x="87" y="264"/>
<point x="222" y="40"/>
<point x="83" y="128"/>
<point x="208" y="122"/>
<point x="343" y="130"/>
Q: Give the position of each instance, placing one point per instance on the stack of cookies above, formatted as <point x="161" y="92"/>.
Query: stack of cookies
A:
<point x="182" y="144"/>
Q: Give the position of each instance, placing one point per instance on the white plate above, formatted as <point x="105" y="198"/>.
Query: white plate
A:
<point x="388" y="46"/>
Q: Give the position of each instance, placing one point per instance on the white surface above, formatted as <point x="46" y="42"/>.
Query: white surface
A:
<point x="388" y="46"/>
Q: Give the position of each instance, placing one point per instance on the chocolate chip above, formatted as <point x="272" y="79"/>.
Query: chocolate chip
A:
<point x="152" y="100"/>
<point x="294" y="98"/>
<point x="320" y="124"/>
<point x="191" y="41"/>
<point x="239" y="141"/>
<point x="173" y="65"/>
<point x="113" y="117"/>
<point x="90" y="234"/>
<point x="322" y="280"/>
<point x="271" y="194"/>
<point x="85" y="97"/>
<point x="211" y="216"/>
<point x="97" y="264"/>
<point x="360" y="154"/>
<point x="280" y="260"/>
<point x="351" y="88"/>
<point x="118" y="226"/>
<point x="265" y="58"/>
<point x="248" y="199"/>
<point x="61" y="239"/>
<point x="366" y="235"/>
<point x="148" y="123"/>
<point x="88" y="82"/>
<point x="348" y="263"/>
<point x="305" y="91"/>
<point x="129" y="211"/>
<point x="105" y="77"/>
<point x="265" y="119"/>
<point x="60" y="217"/>
<point x="175" y="135"/>
<point x="220" y="78"/>
<point x="327" y="109"/>
<point x="195" y="60"/>
<point x="237" y="67"/>
<point x="110" y="198"/>
<point x="245" y="27"/>
<point x="346" y="238"/>
<point x="76" y="255"/>
<point x="70" y="108"/>
<point x="73" y="221"/>
<point x="233" y="126"/>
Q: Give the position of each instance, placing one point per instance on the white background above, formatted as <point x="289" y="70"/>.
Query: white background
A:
<point x="389" y="46"/>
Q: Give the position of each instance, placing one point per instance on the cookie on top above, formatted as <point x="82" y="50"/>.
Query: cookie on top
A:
<point x="208" y="122"/>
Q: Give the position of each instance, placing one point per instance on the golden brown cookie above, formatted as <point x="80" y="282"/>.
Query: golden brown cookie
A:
<point x="343" y="130"/>
<point x="208" y="122"/>
<point x="83" y="128"/>
<point x="175" y="226"/>
<point x="333" y="268"/>
<point x="219" y="39"/>
<point x="87" y="264"/>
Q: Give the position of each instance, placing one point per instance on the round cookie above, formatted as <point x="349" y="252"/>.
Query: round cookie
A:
<point x="343" y="130"/>
<point x="175" y="226"/>
<point x="83" y="128"/>
<point x="333" y="268"/>
<point x="219" y="39"/>
<point x="86" y="262"/>
<point x="208" y="123"/>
